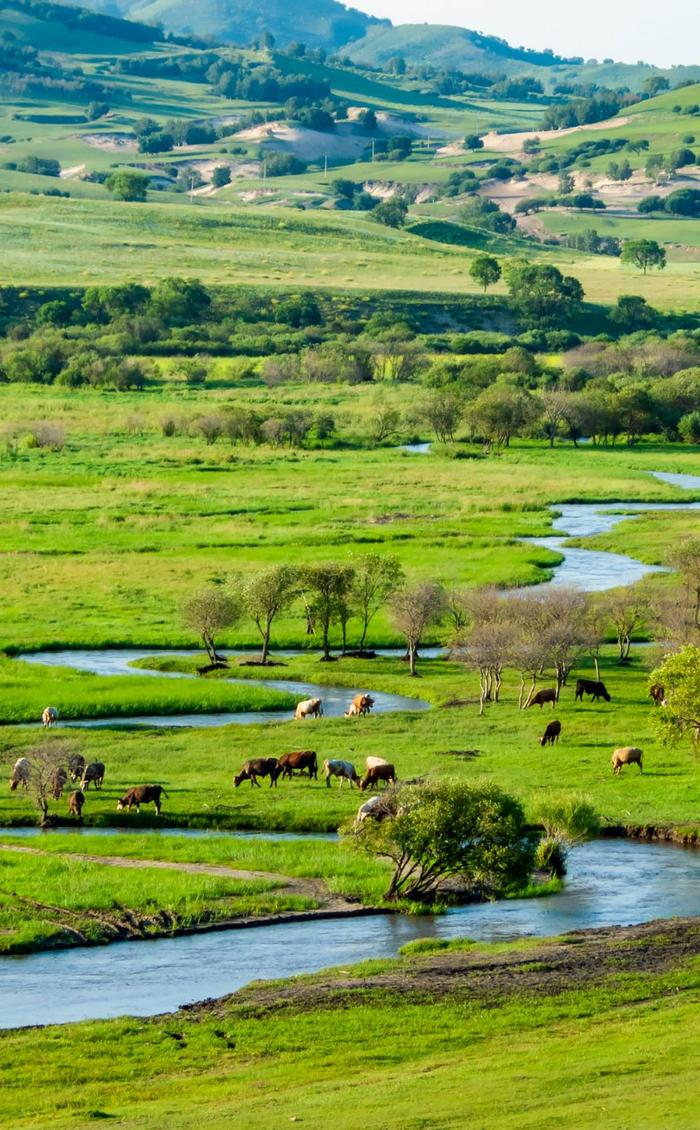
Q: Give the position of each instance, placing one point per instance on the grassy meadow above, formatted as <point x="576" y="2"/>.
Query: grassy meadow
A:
<point x="590" y="1031"/>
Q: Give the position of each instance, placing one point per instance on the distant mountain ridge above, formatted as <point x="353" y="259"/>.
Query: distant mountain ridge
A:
<point x="316" y="23"/>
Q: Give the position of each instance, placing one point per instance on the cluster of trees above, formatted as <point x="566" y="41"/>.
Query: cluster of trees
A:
<point x="331" y="593"/>
<point x="584" y="111"/>
<point x="26" y="73"/>
<point x="683" y="202"/>
<point x="238" y="424"/>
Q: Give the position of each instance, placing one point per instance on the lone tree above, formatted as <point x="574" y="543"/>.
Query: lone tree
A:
<point x="446" y="829"/>
<point x="266" y="595"/>
<point x="327" y="588"/>
<point x="645" y="254"/>
<point x="485" y="270"/>
<point x="376" y="579"/>
<point x="487" y="644"/>
<point x="686" y="559"/>
<point x="391" y="213"/>
<point x="45" y="761"/>
<point x="626" y="609"/>
<point x="208" y="612"/>
<point x="128" y="186"/>
<point x="413" y="611"/>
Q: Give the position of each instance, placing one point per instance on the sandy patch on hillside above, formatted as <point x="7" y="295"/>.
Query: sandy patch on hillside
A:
<point x="110" y="142"/>
<point x="348" y="139"/>
<point x="513" y="142"/>
<point x="615" y="194"/>
<point x="73" y="171"/>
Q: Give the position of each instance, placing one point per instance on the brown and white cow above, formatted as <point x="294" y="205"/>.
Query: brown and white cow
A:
<point x="360" y="705"/>
<point x="142" y="794"/>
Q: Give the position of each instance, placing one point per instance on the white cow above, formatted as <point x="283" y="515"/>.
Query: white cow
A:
<point x="49" y="715"/>
<point x="375" y="762"/>
<point x="367" y="809"/>
<point x="345" y="770"/>
<point x="20" y="773"/>
<point x="309" y="708"/>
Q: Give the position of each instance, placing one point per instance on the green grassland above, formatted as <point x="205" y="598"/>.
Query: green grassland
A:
<point x="115" y="530"/>
<point x="197" y="766"/>
<point x="486" y="1036"/>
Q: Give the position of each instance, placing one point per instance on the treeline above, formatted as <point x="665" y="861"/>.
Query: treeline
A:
<point x="24" y="71"/>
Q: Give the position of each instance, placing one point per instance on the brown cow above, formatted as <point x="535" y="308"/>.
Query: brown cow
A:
<point x="57" y="781"/>
<point x="360" y="705"/>
<point x="141" y="794"/>
<point x="377" y="773"/>
<point x="626" y="755"/>
<point x="549" y="694"/>
<point x="657" y="692"/>
<point x="551" y="733"/>
<point x="301" y="760"/>
<point x="258" y="767"/>
<point x="76" y="801"/>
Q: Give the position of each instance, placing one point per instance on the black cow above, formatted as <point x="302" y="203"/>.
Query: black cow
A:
<point x="591" y="687"/>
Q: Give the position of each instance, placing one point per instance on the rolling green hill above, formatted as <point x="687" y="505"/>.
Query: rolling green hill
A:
<point x="455" y="48"/>
<point x="317" y="23"/>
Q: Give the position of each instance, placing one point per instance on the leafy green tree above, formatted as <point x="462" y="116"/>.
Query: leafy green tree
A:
<point x="447" y="829"/>
<point x="500" y="412"/>
<point x="684" y="202"/>
<point x="376" y="579"/>
<point x="633" y="312"/>
<point x="442" y="411"/>
<point x="679" y="675"/>
<point x="567" y="819"/>
<point x="326" y="589"/>
<point x="566" y="183"/>
<point x="689" y="427"/>
<point x="472" y="142"/>
<point x="654" y="84"/>
<point x="105" y="303"/>
<point x="126" y="185"/>
<point x="179" y="302"/>
<point x="679" y="158"/>
<point x="645" y="254"/>
<point x="541" y="295"/>
<point x="208" y="612"/>
<point x="267" y="594"/>
<point x="221" y="176"/>
<point x="391" y="213"/>
<point x="485" y="270"/>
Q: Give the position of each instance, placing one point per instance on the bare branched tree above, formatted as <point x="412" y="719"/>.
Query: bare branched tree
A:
<point x="413" y="611"/>
<point x="376" y="579"/>
<point x="627" y="610"/>
<point x="47" y="774"/>
<point x="488" y="643"/>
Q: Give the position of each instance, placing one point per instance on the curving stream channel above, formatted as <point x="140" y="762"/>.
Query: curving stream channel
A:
<point x="609" y="883"/>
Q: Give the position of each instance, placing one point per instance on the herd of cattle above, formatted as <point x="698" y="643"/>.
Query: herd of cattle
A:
<point x="301" y="762"/>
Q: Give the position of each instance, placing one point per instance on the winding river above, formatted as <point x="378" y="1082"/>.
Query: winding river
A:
<point x="609" y="883"/>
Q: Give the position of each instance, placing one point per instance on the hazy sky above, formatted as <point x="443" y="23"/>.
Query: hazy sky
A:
<point x="627" y="30"/>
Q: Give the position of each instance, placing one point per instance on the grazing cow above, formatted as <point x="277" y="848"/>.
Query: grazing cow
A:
<point x="141" y="794"/>
<point x="551" y="733"/>
<point x="76" y="801"/>
<point x="369" y="808"/>
<point x="549" y="694"/>
<point x="76" y="766"/>
<point x="309" y="708"/>
<point x="361" y="704"/>
<point x="57" y="781"/>
<point x="591" y="687"/>
<point x="301" y="760"/>
<point x="49" y="715"/>
<point x="626" y="755"/>
<point x="94" y="772"/>
<point x="20" y="773"/>
<point x="378" y="773"/>
<point x="258" y="767"/>
<point x="657" y="692"/>
<point x="345" y="770"/>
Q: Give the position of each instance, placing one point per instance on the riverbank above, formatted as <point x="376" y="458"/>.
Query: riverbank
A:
<point x="486" y="1036"/>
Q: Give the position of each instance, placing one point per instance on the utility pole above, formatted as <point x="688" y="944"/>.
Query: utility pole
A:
<point x="372" y="150"/>
<point x="325" y="164"/>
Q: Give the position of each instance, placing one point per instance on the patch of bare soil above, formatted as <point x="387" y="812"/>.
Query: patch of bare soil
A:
<point x="110" y="142"/>
<point x="581" y="958"/>
<point x="513" y="142"/>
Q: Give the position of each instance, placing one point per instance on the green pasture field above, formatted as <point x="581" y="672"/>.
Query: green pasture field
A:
<point x="485" y="1036"/>
<point x="197" y="766"/>
<point x="36" y="890"/>
<point x="93" y="886"/>
<point x="118" y="528"/>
